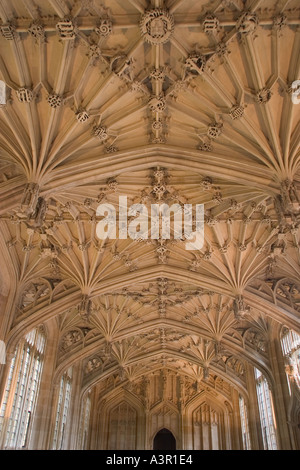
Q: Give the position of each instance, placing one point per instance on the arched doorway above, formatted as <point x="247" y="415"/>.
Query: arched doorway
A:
<point x="164" y="440"/>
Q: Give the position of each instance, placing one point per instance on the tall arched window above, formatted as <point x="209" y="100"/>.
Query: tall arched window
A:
<point x="207" y="428"/>
<point x="122" y="431"/>
<point x="84" y="423"/>
<point x="244" y="424"/>
<point x="290" y="343"/>
<point x="62" y="410"/>
<point x="266" y="411"/>
<point x="21" y="391"/>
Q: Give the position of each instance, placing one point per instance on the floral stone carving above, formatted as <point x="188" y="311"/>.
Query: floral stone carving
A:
<point x="157" y="26"/>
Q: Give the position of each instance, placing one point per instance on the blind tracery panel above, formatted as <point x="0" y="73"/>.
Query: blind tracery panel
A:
<point x="122" y="428"/>
<point x="206" y="428"/>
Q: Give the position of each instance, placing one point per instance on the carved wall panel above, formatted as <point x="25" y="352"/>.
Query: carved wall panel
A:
<point x="164" y="416"/>
<point x="122" y="432"/>
<point x="207" y="423"/>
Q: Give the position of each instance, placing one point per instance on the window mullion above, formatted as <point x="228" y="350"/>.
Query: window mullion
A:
<point x="28" y="379"/>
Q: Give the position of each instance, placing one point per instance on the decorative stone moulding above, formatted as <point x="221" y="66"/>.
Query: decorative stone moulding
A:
<point x="264" y="95"/>
<point x="217" y="197"/>
<point x="211" y="24"/>
<point x="139" y="87"/>
<point x="30" y="198"/>
<point x="214" y="130"/>
<point x="279" y="22"/>
<point x="82" y="116"/>
<point x="247" y="23"/>
<point x="66" y="29"/>
<point x="158" y="140"/>
<point x="159" y="190"/>
<point x="126" y="70"/>
<point x="205" y="147"/>
<point x="240" y="308"/>
<point x="112" y="185"/>
<point x="157" y="125"/>
<point x="206" y="183"/>
<point x="104" y="27"/>
<point x="54" y="100"/>
<point x="236" y="112"/>
<point x="25" y="95"/>
<point x="117" y="63"/>
<point x="8" y="31"/>
<point x="40" y="211"/>
<point x="100" y="132"/>
<point x="157" y="103"/>
<point x="111" y="149"/>
<point x="94" y="51"/>
<point x="158" y="74"/>
<point x="222" y="49"/>
<point x="157" y="26"/>
<point x="290" y="198"/>
<point x="84" y="307"/>
<point x="160" y="176"/>
<point x="195" y="63"/>
<point x="36" y="30"/>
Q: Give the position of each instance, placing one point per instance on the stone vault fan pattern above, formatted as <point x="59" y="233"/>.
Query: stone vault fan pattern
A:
<point x="176" y="101"/>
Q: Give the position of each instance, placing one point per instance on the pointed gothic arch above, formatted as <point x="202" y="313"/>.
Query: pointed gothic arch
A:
<point x="164" y="440"/>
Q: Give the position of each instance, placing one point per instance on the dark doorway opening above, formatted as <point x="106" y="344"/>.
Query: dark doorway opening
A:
<point x="164" y="440"/>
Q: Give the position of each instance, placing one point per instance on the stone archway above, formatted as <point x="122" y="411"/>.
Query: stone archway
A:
<point x="164" y="440"/>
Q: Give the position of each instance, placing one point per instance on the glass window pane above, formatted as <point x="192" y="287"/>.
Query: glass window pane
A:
<point x="62" y="410"/>
<point x="265" y="404"/>
<point x="25" y="374"/>
<point x="244" y="424"/>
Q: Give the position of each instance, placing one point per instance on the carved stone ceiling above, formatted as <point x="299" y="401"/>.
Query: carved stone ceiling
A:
<point x="179" y="101"/>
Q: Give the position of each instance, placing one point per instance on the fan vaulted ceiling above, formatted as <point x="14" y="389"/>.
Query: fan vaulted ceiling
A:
<point x="183" y="101"/>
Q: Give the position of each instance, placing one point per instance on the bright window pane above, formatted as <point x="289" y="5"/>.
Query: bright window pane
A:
<point x="244" y="424"/>
<point x="62" y="410"/>
<point x="24" y="376"/>
<point x="266" y="412"/>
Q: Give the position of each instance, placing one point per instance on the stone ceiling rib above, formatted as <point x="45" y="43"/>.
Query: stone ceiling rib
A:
<point x="170" y="156"/>
<point x="174" y="5"/>
<point x="254" y="68"/>
<point x="23" y="154"/>
<point x="60" y="8"/>
<point x="285" y="132"/>
<point x="139" y="5"/>
<point x="101" y="103"/>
